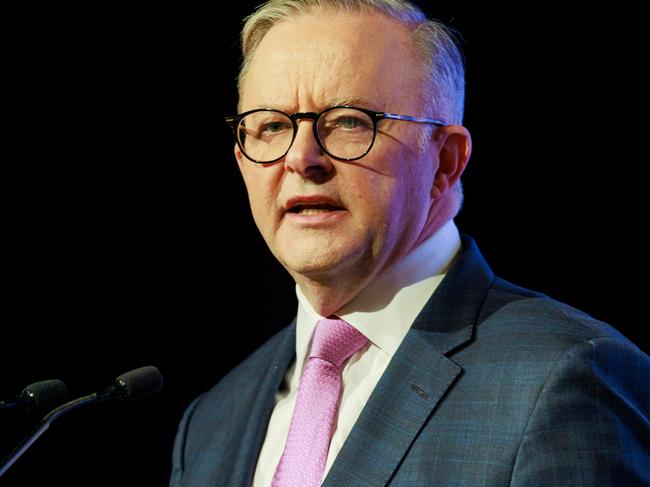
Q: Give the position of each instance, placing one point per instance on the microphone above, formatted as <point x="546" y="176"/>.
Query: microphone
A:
<point x="39" y="395"/>
<point x="132" y="385"/>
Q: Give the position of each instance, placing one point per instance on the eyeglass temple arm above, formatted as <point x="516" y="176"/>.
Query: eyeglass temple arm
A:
<point x="406" y="118"/>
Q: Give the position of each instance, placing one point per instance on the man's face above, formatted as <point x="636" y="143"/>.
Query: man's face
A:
<point x="325" y="219"/>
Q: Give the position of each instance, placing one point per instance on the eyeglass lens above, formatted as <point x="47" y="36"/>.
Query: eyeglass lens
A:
<point x="345" y="133"/>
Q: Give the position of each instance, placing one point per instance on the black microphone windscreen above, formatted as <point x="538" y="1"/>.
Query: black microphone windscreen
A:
<point x="139" y="383"/>
<point x="44" y="394"/>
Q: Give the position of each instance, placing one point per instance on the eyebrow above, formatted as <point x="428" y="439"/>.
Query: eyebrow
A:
<point x="336" y="101"/>
<point x="347" y="100"/>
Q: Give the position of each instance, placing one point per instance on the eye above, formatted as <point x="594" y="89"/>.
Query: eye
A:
<point x="346" y="120"/>
<point x="349" y="122"/>
<point x="272" y="128"/>
<point x="266" y="124"/>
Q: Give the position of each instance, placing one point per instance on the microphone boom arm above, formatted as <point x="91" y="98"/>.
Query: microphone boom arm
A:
<point x="135" y="384"/>
<point x="45" y="424"/>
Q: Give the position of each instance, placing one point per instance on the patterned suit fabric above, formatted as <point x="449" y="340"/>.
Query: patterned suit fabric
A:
<point x="494" y="385"/>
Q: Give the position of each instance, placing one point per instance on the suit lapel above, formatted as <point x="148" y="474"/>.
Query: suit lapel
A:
<point x="416" y="379"/>
<point x="400" y="404"/>
<point x="273" y="364"/>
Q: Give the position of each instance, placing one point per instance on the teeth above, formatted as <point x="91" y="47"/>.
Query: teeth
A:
<point x="313" y="211"/>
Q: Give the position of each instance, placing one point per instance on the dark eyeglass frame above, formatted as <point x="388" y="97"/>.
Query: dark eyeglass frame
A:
<point x="376" y="117"/>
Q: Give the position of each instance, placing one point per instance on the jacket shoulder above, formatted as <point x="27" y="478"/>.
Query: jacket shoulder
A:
<point x="528" y="316"/>
<point x="220" y="417"/>
<point x="241" y="377"/>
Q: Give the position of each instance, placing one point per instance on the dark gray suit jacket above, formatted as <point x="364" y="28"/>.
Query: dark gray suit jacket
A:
<point x="494" y="385"/>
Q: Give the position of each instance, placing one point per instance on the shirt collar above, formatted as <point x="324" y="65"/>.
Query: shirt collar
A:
<point x="385" y="309"/>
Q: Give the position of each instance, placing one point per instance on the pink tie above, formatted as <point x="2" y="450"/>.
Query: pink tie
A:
<point x="305" y="453"/>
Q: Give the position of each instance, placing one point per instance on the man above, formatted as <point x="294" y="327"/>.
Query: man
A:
<point x="409" y="362"/>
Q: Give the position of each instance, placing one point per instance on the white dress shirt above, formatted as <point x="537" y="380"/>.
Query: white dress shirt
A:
<point x="383" y="311"/>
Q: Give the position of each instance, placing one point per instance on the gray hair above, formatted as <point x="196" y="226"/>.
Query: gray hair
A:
<point x="442" y="61"/>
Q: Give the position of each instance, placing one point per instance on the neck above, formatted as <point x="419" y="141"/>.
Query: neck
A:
<point x="328" y="292"/>
<point x="327" y="296"/>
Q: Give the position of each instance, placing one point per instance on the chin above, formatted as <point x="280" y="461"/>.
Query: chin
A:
<point x="320" y="263"/>
<point x="321" y="256"/>
<point x="316" y="269"/>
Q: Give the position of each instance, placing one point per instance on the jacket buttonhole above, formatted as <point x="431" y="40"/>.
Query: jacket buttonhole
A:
<point x="419" y="391"/>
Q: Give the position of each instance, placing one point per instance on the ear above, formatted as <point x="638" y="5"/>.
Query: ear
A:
<point x="240" y="158"/>
<point x="454" y="149"/>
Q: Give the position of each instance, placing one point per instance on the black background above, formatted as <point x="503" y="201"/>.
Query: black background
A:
<point x="127" y="235"/>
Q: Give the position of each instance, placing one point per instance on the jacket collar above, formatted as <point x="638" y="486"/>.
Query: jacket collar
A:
<point x="417" y="377"/>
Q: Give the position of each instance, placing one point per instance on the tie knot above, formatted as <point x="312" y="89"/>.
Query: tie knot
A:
<point x="335" y="340"/>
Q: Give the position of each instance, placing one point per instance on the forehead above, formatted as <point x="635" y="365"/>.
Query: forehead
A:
<point x="305" y="62"/>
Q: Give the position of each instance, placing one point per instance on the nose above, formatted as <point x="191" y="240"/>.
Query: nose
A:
<point x="305" y="156"/>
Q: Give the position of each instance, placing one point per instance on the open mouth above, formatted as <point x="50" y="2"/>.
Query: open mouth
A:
<point x="314" y="209"/>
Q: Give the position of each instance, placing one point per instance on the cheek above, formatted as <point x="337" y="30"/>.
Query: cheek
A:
<point x="376" y="201"/>
<point x="262" y="196"/>
<point x="390" y="204"/>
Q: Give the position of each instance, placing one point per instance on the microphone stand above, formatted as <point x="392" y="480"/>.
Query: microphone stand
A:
<point x="48" y="419"/>
<point x="134" y="384"/>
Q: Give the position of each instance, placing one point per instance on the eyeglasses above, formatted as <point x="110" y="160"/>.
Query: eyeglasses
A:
<point x="344" y="133"/>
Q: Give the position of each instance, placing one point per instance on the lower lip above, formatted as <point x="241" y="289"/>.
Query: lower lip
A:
<point x="316" y="219"/>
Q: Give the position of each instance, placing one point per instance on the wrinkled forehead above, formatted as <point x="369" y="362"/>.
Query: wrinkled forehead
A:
<point x="325" y="55"/>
